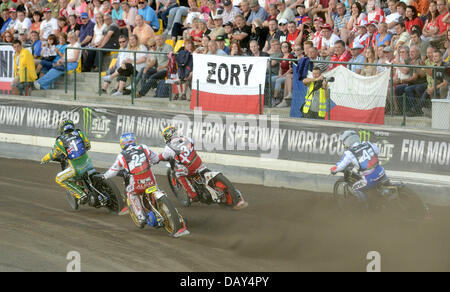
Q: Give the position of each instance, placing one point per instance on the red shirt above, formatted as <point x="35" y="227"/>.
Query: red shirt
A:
<point x="345" y="57"/>
<point x="410" y="23"/>
<point x="442" y="25"/>
<point x="292" y="37"/>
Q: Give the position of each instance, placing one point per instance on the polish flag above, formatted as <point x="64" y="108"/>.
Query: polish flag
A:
<point x="356" y="98"/>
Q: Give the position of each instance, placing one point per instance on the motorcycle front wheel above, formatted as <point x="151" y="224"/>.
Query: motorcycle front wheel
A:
<point x="344" y="197"/>
<point x="178" y="189"/>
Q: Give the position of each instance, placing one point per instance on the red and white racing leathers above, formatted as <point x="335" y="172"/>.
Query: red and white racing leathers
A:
<point x="137" y="160"/>
<point x="187" y="161"/>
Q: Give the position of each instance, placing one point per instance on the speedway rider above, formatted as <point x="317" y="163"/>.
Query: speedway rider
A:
<point x="363" y="156"/>
<point x="136" y="160"/>
<point x="72" y="144"/>
<point x="181" y="150"/>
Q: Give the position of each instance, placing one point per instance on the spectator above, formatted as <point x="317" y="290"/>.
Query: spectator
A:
<point x="315" y="101"/>
<point x="357" y="20"/>
<point x="86" y="30"/>
<point x="393" y="17"/>
<point x="330" y="12"/>
<point x="313" y="55"/>
<point x="374" y="13"/>
<point x="24" y="69"/>
<point x="7" y="4"/>
<point x="214" y="10"/>
<point x="357" y="57"/>
<point x="386" y="56"/>
<point x="415" y="40"/>
<point x="36" y="45"/>
<point x="142" y="30"/>
<point x="285" y="68"/>
<point x="161" y="70"/>
<point x="371" y="58"/>
<point x="301" y="11"/>
<point x="273" y="13"/>
<point x="441" y="80"/>
<point x="259" y="32"/>
<point x="62" y="25"/>
<point x="273" y="33"/>
<point x="112" y="72"/>
<point x="174" y="23"/>
<point x="401" y="37"/>
<point x="242" y="32"/>
<point x="417" y="84"/>
<point x="431" y="28"/>
<point x="317" y="37"/>
<point x="341" y="54"/>
<point x="99" y="28"/>
<point x="49" y="25"/>
<point x="412" y="18"/>
<point x="424" y="98"/>
<point x="213" y="49"/>
<point x="402" y="74"/>
<point x="9" y="25"/>
<point x="245" y="9"/>
<point x="4" y="21"/>
<point x="289" y="79"/>
<point x="73" y="57"/>
<point x="274" y="52"/>
<point x="48" y="53"/>
<point x="340" y="22"/>
<point x="116" y="12"/>
<point x="306" y="32"/>
<point x="22" y="23"/>
<point x="196" y="32"/>
<point x="8" y="37"/>
<point x="235" y="49"/>
<point x="54" y="7"/>
<point x="293" y="33"/>
<point x="73" y="25"/>
<point x="127" y="68"/>
<point x="218" y="28"/>
<point x="148" y="14"/>
<point x="283" y="31"/>
<point x="203" y="48"/>
<point x="371" y="40"/>
<point x="383" y="37"/>
<point x="185" y="66"/>
<point x="401" y="10"/>
<point x="257" y="12"/>
<point x="163" y="12"/>
<point x="220" y="39"/>
<point x="329" y="39"/>
<point x="443" y="13"/>
<point x="255" y="51"/>
<point x="129" y="13"/>
<point x="60" y="50"/>
<point x="229" y="11"/>
<point x="285" y="12"/>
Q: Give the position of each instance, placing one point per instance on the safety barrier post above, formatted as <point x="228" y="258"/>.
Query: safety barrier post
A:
<point x="100" y="57"/>
<point x="329" y="102"/>
<point x="75" y="84"/>
<point x="66" y="80"/>
<point x="404" y="110"/>
<point x="392" y="91"/>
<point x="198" y="85"/>
<point x="133" y="81"/>
<point x="270" y="82"/>
<point x="260" y="105"/>
<point x="434" y="84"/>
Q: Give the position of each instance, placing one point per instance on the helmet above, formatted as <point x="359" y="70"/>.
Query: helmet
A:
<point x="127" y="139"/>
<point x="66" y="126"/>
<point x="349" y="138"/>
<point x="168" y="133"/>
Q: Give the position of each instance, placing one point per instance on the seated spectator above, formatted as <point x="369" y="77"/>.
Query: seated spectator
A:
<point x="163" y="8"/>
<point x="361" y="36"/>
<point x="49" y="25"/>
<point x="203" y="48"/>
<point x="368" y="70"/>
<point x="401" y="37"/>
<point x="341" y="54"/>
<point x="116" y="11"/>
<point x="60" y="49"/>
<point x="340" y="21"/>
<point x="235" y="49"/>
<point x="393" y="17"/>
<point x="442" y="79"/>
<point x="442" y="7"/>
<point x="127" y="68"/>
<point x="24" y="69"/>
<point x="129" y="14"/>
<point x="431" y="28"/>
<point x="283" y="31"/>
<point x="259" y="32"/>
<point x="357" y="20"/>
<point x="274" y="52"/>
<point x="142" y="30"/>
<point x="293" y="33"/>
<point x="371" y="40"/>
<point x="63" y="25"/>
<point x="383" y="37"/>
<point x="8" y="25"/>
<point x="315" y="101"/>
<point x="257" y="12"/>
<point x="196" y="32"/>
<point x="161" y="70"/>
<point x="273" y="33"/>
<point x="412" y="18"/>
<point x="73" y="25"/>
<point x="23" y="23"/>
<point x="357" y="57"/>
<point x="374" y="13"/>
<point x="241" y="32"/>
<point x="86" y="30"/>
<point x="218" y="28"/>
<point x="285" y="12"/>
<point x="112" y="72"/>
<point x="301" y="14"/>
<point x="213" y="49"/>
<point x="401" y="74"/>
<point x="255" y="51"/>
<point x="229" y="11"/>
<point x="148" y="14"/>
<point x="48" y="52"/>
<point x="273" y="13"/>
<point x="245" y="9"/>
<point x="36" y="45"/>
<point x="59" y="68"/>
<point x="329" y="39"/>
<point x="220" y="40"/>
<point x="8" y="37"/>
<point x="150" y="65"/>
<point x="99" y="28"/>
<point x="175" y="17"/>
<point x="285" y="69"/>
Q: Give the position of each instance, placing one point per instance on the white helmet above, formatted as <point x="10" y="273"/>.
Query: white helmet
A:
<point x="349" y="138"/>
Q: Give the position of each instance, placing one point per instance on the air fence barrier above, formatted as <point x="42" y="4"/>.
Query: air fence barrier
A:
<point x="255" y="149"/>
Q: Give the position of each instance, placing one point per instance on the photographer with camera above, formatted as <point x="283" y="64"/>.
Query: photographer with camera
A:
<point x="315" y="105"/>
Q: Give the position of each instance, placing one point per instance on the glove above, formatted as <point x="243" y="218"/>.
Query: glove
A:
<point x="45" y="159"/>
<point x="333" y="170"/>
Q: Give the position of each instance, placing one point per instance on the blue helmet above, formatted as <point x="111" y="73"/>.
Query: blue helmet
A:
<point x="127" y="139"/>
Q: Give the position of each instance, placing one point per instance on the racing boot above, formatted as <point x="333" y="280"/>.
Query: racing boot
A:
<point x="189" y="189"/>
<point x="242" y="204"/>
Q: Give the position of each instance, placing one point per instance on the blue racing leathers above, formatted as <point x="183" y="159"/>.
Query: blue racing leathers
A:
<point x="363" y="156"/>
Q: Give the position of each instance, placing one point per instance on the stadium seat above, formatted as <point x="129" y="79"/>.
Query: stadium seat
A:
<point x="161" y="28"/>
<point x="178" y="46"/>
<point x="170" y="42"/>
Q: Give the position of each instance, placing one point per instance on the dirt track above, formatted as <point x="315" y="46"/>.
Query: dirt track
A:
<point x="282" y="230"/>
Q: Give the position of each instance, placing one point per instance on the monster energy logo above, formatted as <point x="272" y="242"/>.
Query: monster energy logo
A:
<point x="87" y="120"/>
<point x="364" y="136"/>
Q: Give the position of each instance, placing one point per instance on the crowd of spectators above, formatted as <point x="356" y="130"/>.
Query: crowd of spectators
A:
<point x="364" y="31"/>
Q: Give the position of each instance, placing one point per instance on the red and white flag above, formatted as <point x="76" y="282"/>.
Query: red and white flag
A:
<point x="229" y="84"/>
<point x="357" y="98"/>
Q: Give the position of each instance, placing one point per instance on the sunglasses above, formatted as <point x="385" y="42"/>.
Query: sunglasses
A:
<point x="121" y="42"/>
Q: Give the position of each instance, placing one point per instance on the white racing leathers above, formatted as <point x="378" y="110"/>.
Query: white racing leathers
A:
<point x="136" y="160"/>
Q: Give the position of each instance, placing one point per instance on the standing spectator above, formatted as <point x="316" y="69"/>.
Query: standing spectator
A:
<point x="49" y="25"/>
<point x="285" y="68"/>
<point x="357" y="57"/>
<point x="285" y="12"/>
<point x="341" y="54"/>
<point x="143" y="31"/>
<point x="431" y="28"/>
<point x="371" y="58"/>
<point x="315" y="101"/>
<point x="127" y="65"/>
<point x="257" y="12"/>
<point x="73" y="57"/>
<point x="148" y="14"/>
<point x="24" y="69"/>
<point x="411" y="18"/>
<point x="185" y="66"/>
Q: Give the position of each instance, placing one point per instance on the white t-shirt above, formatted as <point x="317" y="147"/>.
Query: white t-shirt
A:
<point x="47" y="27"/>
<point x="138" y="56"/>
<point x="71" y="53"/>
<point x="98" y="33"/>
<point x="330" y="43"/>
<point x="22" y="25"/>
<point x="392" y="18"/>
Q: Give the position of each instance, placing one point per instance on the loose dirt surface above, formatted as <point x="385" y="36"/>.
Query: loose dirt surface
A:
<point x="281" y="230"/>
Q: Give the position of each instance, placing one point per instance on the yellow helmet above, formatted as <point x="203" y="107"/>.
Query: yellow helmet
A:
<point x="168" y="133"/>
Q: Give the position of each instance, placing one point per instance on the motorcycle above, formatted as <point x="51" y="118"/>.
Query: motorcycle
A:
<point x="160" y="212"/>
<point x="387" y="194"/>
<point x="211" y="187"/>
<point x="100" y="193"/>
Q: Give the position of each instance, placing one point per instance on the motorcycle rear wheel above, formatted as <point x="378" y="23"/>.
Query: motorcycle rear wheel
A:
<point x="232" y="197"/>
<point x="172" y="222"/>
<point x="178" y="189"/>
<point x="115" y="202"/>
